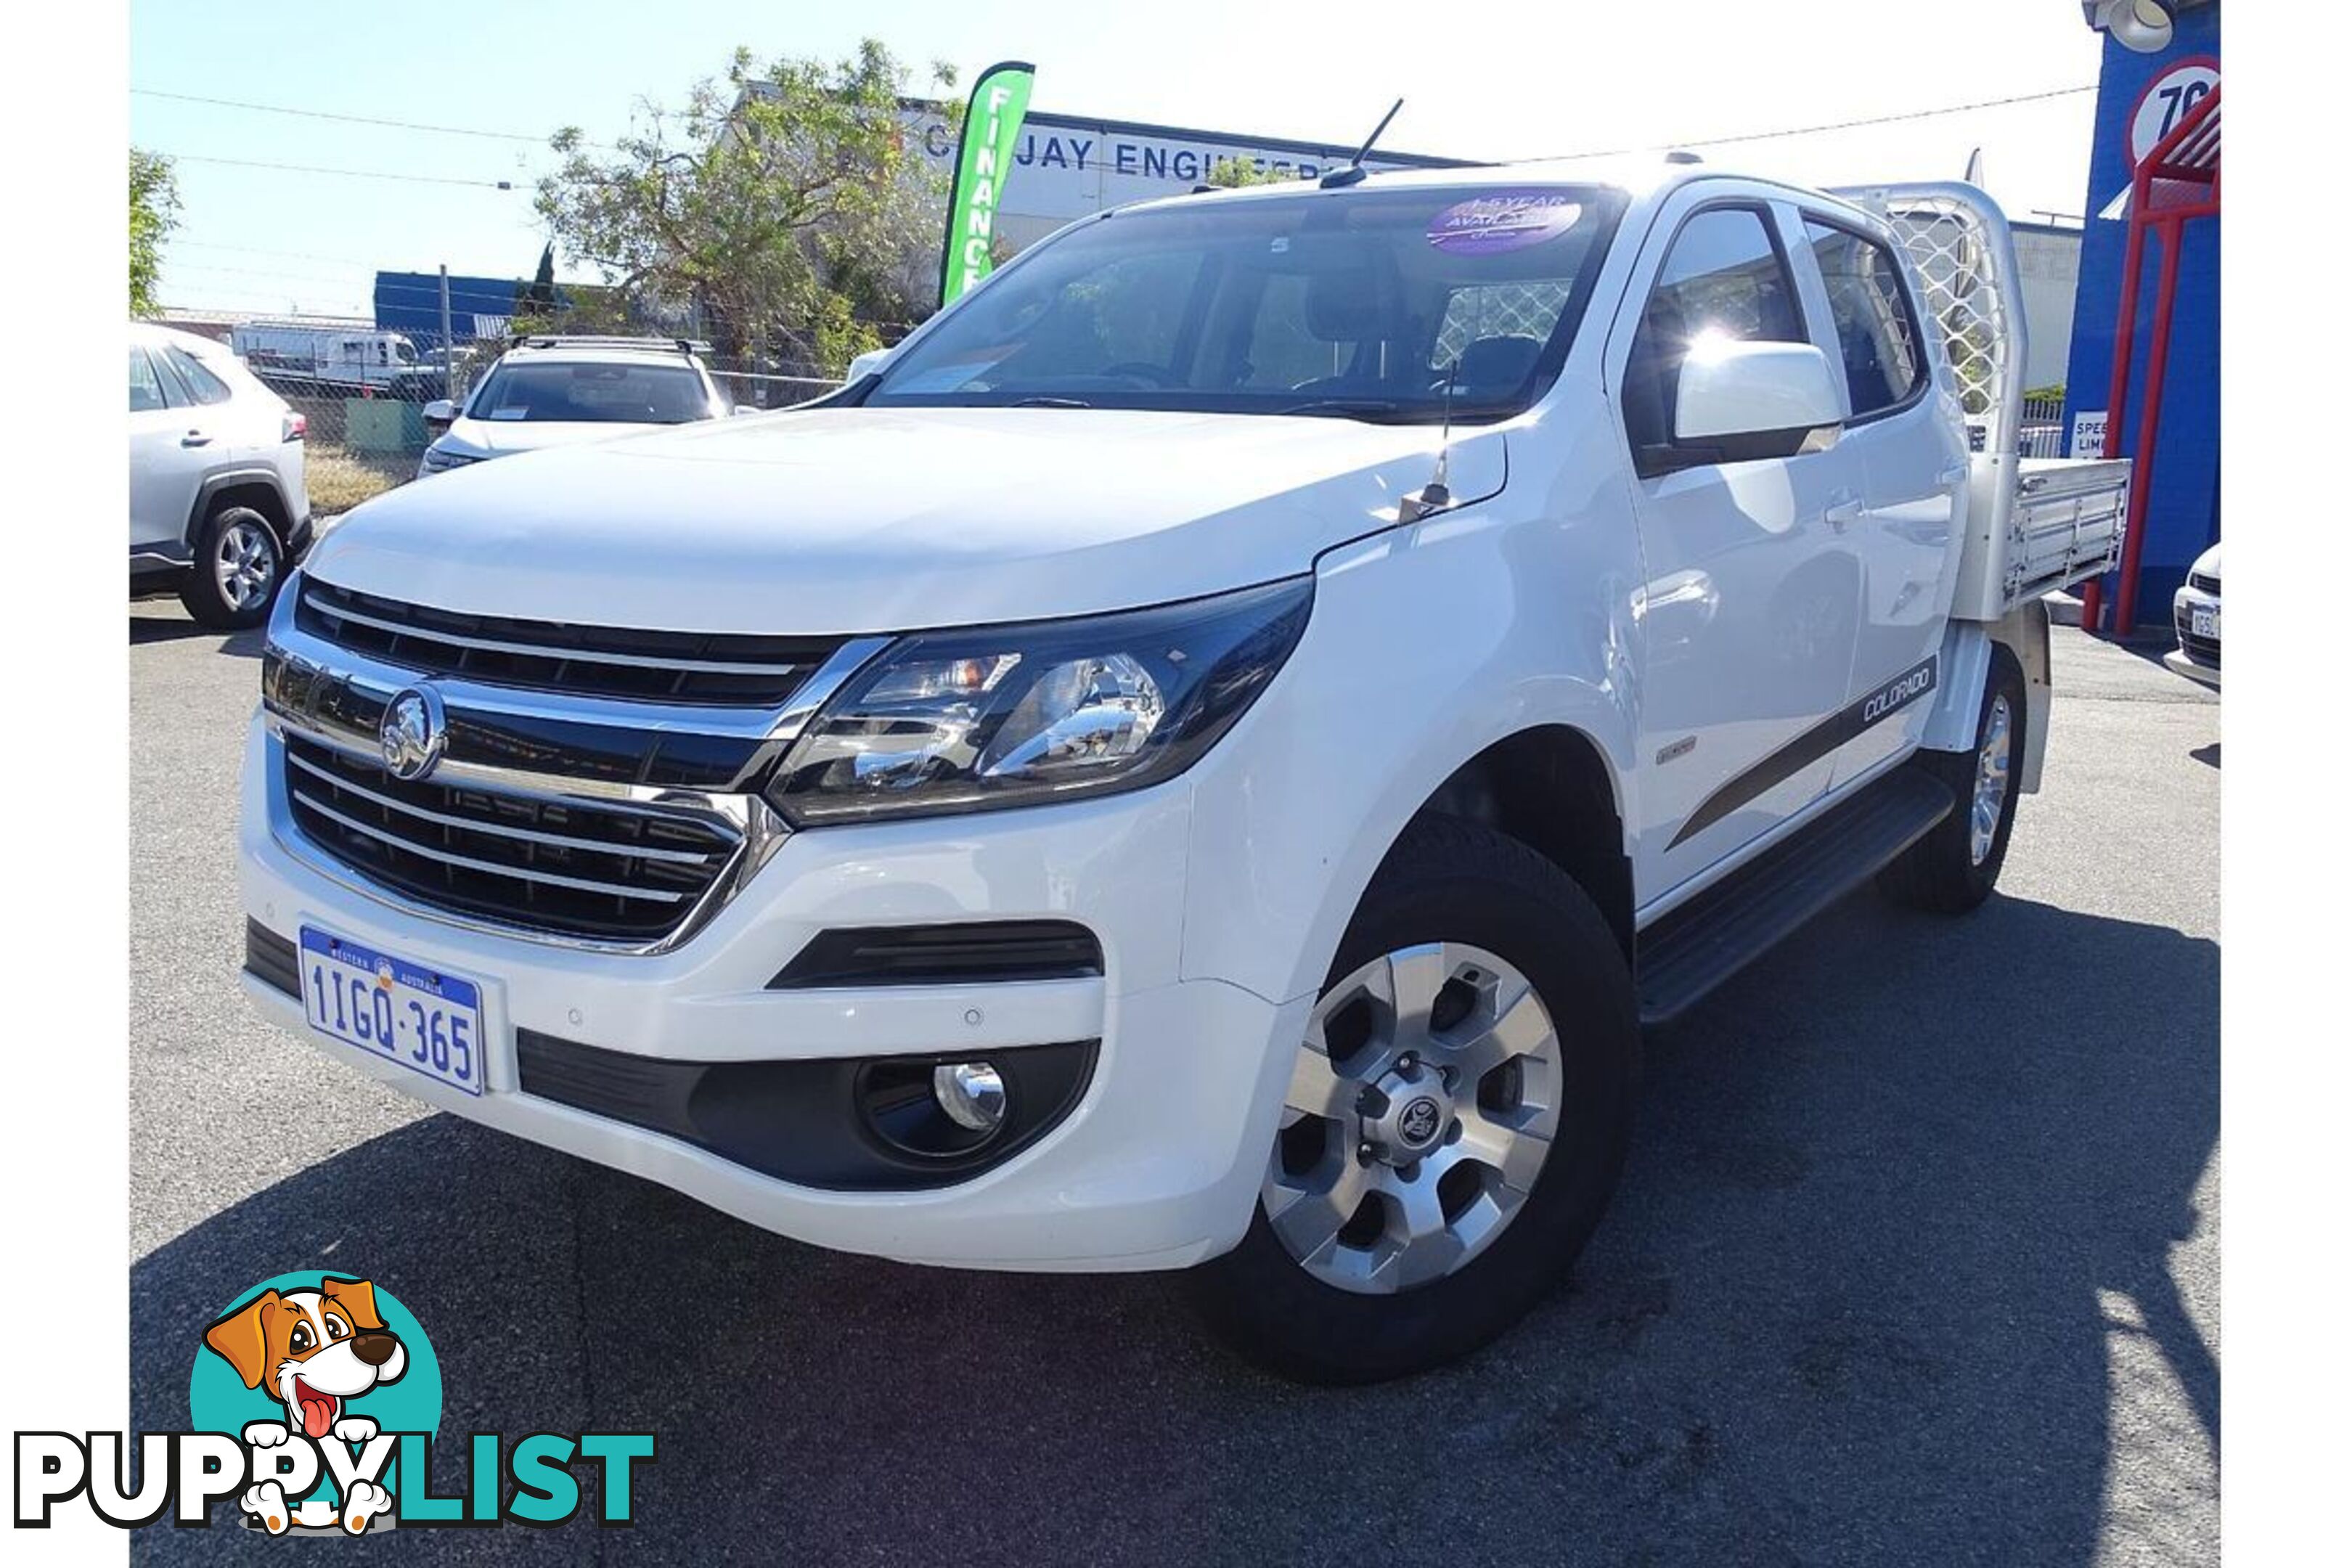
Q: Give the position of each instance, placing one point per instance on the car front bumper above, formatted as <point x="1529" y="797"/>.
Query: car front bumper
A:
<point x="2196" y="658"/>
<point x="1157" y="1165"/>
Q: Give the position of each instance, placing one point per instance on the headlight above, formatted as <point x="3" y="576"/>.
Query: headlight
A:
<point x="975" y="719"/>
<point x="436" y="461"/>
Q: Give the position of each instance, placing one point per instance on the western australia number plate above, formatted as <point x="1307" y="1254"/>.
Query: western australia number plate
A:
<point x="422" y="1019"/>
<point x="2205" y="621"/>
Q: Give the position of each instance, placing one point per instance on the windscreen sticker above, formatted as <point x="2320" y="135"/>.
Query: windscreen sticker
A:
<point x="1503" y="221"/>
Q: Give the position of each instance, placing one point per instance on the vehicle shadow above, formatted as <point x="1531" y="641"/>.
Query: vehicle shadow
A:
<point x="1898" y="1195"/>
<point x="160" y="628"/>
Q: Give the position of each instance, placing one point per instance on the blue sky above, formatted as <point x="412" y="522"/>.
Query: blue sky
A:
<point x="1497" y="80"/>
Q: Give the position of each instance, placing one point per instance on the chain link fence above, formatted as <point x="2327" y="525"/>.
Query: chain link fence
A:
<point x="362" y="391"/>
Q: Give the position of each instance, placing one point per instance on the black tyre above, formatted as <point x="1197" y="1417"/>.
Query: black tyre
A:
<point x="239" y="565"/>
<point x="1954" y="868"/>
<point x="1455" y="1124"/>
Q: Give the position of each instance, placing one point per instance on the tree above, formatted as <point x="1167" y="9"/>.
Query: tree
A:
<point x="155" y="213"/>
<point x="536" y="308"/>
<point x="1232" y="173"/>
<point x="539" y="299"/>
<point x="787" y="204"/>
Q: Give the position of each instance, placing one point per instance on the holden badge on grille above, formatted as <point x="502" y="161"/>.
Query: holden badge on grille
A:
<point x="413" y="732"/>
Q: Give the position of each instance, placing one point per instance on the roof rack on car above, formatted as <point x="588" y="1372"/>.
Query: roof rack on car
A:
<point x="596" y="340"/>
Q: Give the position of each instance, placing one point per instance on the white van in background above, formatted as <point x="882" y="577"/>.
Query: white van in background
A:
<point x="301" y="356"/>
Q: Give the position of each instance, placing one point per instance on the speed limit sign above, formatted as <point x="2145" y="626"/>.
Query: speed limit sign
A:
<point x="2167" y="101"/>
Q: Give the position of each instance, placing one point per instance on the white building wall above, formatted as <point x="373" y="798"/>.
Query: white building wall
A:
<point x="2048" y="261"/>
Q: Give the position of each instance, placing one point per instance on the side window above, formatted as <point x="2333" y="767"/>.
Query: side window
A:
<point x="201" y="384"/>
<point x="146" y="387"/>
<point x="1724" y="276"/>
<point x="1877" y="337"/>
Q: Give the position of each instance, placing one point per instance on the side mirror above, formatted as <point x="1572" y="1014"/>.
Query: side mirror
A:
<point x="440" y="414"/>
<point x="1738" y="401"/>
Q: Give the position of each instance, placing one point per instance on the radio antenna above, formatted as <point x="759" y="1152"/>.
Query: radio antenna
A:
<point x="1434" y="496"/>
<point x="1355" y="170"/>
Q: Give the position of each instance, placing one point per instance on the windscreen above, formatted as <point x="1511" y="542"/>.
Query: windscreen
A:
<point x="592" y="394"/>
<point x="1359" y="302"/>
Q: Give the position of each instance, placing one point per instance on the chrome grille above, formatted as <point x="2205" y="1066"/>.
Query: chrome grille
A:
<point x="722" y="669"/>
<point x="2204" y="583"/>
<point x="605" y="871"/>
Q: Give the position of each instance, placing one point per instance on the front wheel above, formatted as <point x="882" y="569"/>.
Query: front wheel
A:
<point x="1456" y="1115"/>
<point x="238" y="563"/>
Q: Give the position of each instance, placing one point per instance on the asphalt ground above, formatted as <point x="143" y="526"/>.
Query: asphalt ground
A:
<point x="1914" y="1260"/>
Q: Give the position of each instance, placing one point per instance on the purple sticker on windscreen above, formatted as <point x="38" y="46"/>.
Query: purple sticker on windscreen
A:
<point x="1502" y="221"/>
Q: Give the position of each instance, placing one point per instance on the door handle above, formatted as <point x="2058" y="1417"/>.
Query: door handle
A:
<point x="1952" y="474"/>
<point x="195" y="438"/>
<point x="1843" y="508"/>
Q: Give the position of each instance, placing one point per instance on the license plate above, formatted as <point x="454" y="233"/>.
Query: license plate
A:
<point x="422" y="1019"/>
<point x="2205" y="621"/>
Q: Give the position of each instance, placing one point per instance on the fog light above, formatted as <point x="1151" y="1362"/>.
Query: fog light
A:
<point x="972" y="1093"/>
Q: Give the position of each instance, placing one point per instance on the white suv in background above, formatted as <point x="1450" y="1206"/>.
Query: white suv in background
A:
<point x="559" y="392"/>
<point x="218" y="508"/>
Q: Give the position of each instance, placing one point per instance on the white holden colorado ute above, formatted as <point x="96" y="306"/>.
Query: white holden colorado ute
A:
<point x="1208" y="758"/>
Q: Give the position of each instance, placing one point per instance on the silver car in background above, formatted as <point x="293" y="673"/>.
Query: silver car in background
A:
<point x="219" y="504"/>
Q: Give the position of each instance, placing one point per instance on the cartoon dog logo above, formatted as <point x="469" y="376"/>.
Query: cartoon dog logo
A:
<point x="315" y="1351"/>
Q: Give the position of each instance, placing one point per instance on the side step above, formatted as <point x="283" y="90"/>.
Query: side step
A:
<point x="1696" y="948"/>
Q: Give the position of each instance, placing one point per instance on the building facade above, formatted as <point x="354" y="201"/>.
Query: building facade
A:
<point x="1067" y="166"/>
<point x="2141" y="97"/>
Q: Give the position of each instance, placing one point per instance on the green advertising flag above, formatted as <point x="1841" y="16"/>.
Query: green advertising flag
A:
<point x="992" y="125"/>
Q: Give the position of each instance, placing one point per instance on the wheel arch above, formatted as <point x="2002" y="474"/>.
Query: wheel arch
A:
<point x="257" y="487"/>
<point x="1967" y="654"/>
<point x="1551" y="787"/>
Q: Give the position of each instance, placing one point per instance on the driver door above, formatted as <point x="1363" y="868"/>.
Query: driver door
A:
<point x="1747" y="620"/>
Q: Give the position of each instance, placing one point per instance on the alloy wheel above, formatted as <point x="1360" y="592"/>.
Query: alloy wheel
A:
<point x="1992" y="782"/>
<point x="244" y="565"/>
<point x="1423" y="1103"/>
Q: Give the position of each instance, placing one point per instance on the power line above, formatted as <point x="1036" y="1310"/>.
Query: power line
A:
<point x="1840" y="124"/>
<point x="178" y="243"/>
<point x="329" y="114"/>
<point x="375" y="284"/>
<point x="347" y="173"/>
<point x="350" y="118"/>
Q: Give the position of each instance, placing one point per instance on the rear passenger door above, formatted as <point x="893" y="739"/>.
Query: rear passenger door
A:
<point x="1905" y="438"/>
<point x="1746" y="620"/>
